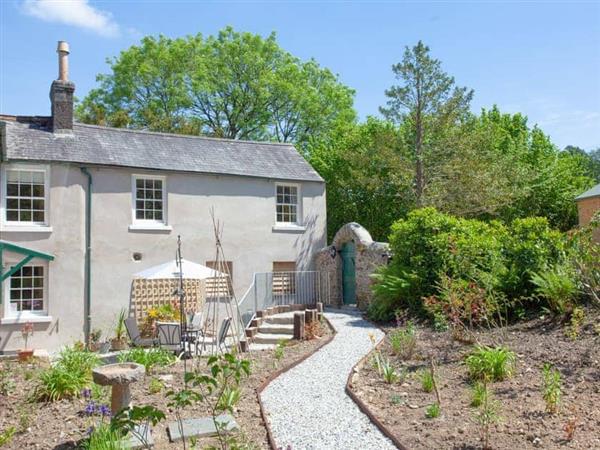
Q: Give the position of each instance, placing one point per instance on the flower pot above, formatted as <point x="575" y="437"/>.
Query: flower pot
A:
<point x="25" y="355"/>
<point x="118" y="344"/>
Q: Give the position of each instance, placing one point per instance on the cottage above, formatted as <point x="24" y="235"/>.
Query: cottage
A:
<point x="588" y="204"/>
<point x="83" y="208"/>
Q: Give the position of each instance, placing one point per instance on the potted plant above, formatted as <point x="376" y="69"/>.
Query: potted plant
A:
<point x="96" y="344"/>
<point x="26" y="331"/>
<point x="119" y="342"/>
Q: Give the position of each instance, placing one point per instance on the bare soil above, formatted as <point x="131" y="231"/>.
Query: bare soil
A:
<point x="62" y="424"/>
<point x="524" y="423"/>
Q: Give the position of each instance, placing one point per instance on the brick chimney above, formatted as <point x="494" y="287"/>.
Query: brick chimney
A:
<point x="61" y="93"/>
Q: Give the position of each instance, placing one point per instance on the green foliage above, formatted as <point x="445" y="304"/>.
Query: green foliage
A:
<point x="104" y="437"/>
<point x="155" y="386"/>
<point x="584" y="253"/>
<point x="426" y="379"/>
<point x="120" y="325"/>
<point x="150" y="358"/>
<point x="388" y="372"/>
<point x="478" y="393"/>
<point x="433" y="411"/>
<point x="135" y="419"/>
<point x="490" y="364"/>
<point x="551" y="388"/>
<point x="68" y="376"/>
<point x="487" y="414"/>
<point x="7" y="435"/>
<point x="279" y="351"/>
<point x="396" y="399"/>
<point x="557" y="286"/>
<point x="575" y="322"/>
<point x="404" y="341"/>
<point x="232" y="85"/>
<point x="7" y="384"/>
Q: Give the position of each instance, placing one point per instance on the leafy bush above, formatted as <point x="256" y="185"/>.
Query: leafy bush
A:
<point x="490" y="364"/>
<point x="148" y="358"/>
<point x="557" y="286"/>
<point x="403" y="341"/>
<point x="68" y="376"/>
<point x="427" y="381"/>
<point x="104" y="437"/>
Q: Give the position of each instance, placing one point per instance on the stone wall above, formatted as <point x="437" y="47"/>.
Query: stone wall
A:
<point x="369" y="256"/>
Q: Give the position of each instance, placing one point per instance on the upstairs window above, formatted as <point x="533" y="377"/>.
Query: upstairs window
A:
<point x="287" y="207"/>
<point x="149" y="199"/>
<point x="25" y="196"/>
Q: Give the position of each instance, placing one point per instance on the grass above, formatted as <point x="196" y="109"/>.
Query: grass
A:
<point x="492" y="364"/>
<point x="148" y="358"/>
<point x="478" y="393"/>
<point x="427" y="381"/>
<point x="104" y="438"/>
<point x="433" y="411"/>
<point x="403" y="341"/>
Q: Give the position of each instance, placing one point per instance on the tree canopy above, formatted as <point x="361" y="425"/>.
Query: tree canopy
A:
<point x="232" y="85"/>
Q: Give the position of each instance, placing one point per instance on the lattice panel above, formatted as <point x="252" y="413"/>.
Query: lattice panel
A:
<point x="147" y="294"/>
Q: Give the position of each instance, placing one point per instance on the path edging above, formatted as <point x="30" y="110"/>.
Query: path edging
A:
<point x="277" y="373"/>
<point x="362" y="405"/>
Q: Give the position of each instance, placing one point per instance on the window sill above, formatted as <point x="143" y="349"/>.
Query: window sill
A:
<point x="150" y="227"/>
<point x="26" y="229"/>
<point x="25" y="319"/>
<point x="289" y="228"/>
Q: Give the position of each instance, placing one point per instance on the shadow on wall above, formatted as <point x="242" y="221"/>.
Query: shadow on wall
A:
<point x="370" y="255"/>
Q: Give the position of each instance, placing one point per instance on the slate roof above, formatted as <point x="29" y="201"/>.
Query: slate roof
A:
<point x="593" y="192"/>
<point x="30" y="139"/>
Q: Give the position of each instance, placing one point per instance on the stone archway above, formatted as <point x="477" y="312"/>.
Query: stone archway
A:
<point x="369" y="255"/>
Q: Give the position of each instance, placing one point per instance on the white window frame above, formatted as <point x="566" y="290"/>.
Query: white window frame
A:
<point x="25" y="316"/>
<point x="298" y="223"/>
<point x="147" y="224"/>
<point x="7" y="225"/>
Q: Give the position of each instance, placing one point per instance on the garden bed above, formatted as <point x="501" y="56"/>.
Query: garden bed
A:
<point x="63" y="423"/>
<point x="524" y="423"/>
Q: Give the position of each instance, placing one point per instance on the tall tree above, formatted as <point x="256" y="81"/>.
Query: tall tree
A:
<point x="232" y="85"/>
<point x="427" y="100"/>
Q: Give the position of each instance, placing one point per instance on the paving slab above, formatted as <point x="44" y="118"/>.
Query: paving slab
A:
<point x="202" y="427"/>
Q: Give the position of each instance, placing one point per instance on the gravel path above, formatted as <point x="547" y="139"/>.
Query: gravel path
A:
<point x="308" y="407"/>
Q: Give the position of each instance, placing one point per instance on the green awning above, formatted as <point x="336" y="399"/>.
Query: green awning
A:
<point x="28" y="255"/>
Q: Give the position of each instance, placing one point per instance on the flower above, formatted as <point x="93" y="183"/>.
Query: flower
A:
<point x="104" y="410"/>
<point x="86" y="393"/>
<point x="90" y="408"/>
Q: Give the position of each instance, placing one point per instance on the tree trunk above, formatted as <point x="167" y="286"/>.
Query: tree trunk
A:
<point x="419" y="175"/>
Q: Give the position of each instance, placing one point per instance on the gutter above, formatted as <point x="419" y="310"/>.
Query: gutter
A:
<point x="88" y="253"/>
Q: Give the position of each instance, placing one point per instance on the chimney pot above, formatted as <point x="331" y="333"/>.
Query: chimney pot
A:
<point x="63" y="60"/>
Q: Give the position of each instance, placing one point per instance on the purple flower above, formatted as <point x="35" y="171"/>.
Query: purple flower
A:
<point x="86" y="393"/>
<point x="90" y="430"/>
<point x="104" y="410"/>
<point x="90" y="408"/>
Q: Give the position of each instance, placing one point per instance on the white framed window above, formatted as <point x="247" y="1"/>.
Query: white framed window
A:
<point x="25" y="195"/>
<point x="149" y="200"/>
<point x="26" y="292"/>
<point x="287" y="204"/>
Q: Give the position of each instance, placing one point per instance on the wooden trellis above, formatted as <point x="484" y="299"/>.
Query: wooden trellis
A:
<point x="151" y="293"/>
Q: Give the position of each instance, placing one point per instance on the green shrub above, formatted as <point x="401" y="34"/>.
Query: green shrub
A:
<point x="427" y="381"/>
<point x="68" y="376"/>
<point x="389" y="373"/>
<point x="532" y="246"/>
<point x="403" y="341"/>
<point x="155" y="386"/>
<point x="103" y="437"/>
<point x="148" y="358"/>
<point x="491" y="364"/>
<point x="557" y="286"/>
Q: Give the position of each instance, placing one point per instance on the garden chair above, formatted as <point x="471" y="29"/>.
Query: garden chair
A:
<point x="134" y="335"/>
<point x="169" y="336"/>
<point x="223" y="332"/>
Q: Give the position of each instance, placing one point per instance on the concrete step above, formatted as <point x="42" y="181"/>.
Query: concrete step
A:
<point x="261" y="338"/>
<point x="267" y="328"/>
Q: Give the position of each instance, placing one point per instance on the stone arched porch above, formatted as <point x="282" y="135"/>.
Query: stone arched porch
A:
<point x="369" y="255"/>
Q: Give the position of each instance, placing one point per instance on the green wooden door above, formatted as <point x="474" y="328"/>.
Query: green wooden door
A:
<point x="348" y="273"/>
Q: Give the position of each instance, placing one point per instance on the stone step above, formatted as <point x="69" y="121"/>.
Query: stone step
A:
<point x="275" y="328"/>
<point x="254" y="347"/>
<point x="281" y="319"/>
<point x="261" y="338"/>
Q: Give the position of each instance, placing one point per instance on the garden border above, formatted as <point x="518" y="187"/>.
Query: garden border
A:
<point x="362" y="405"/>
<point x="277" y="373"/>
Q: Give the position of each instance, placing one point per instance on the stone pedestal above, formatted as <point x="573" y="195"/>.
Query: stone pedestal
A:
<point x="119" y="376"/>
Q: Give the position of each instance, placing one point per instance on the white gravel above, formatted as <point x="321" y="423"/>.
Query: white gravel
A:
<point x="308" y="407"/>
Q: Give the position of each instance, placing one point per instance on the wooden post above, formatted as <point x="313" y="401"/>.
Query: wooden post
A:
<point x="299" y="326"/>
<point x="319" y="310"/>
<point x="311" y="315"/>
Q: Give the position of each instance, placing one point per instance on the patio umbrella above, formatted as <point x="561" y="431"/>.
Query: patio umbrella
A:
<point x="191" y="270"/>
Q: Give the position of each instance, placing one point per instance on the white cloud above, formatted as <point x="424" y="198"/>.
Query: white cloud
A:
<point x="78" y="13"/>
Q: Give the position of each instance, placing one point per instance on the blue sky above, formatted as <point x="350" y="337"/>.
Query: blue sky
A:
<point x="538" y="58"/>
